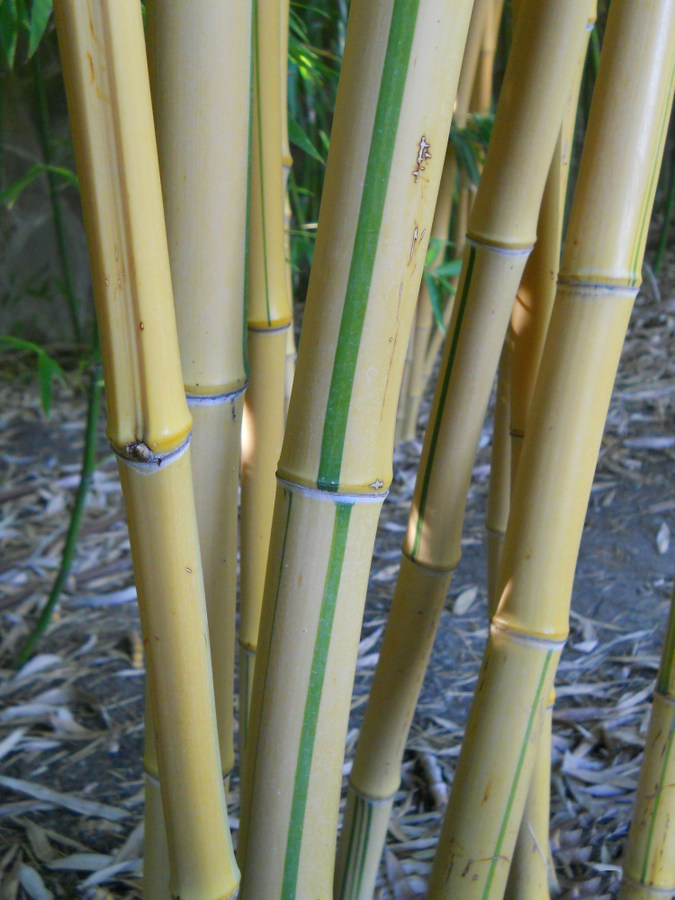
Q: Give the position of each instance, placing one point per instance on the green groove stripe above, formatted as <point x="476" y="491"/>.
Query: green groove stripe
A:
<point x="399" y="44"/>
<point x="649" y="197"/>
<point x="313" y="700"/>
<point x="245" y="692"/>
<point x="365" y="840"/>
<point x="426" y="478"/>
<point x="258" y="113"/>
<point x="496" y="856"/>
<point x="289" y="496"/>
<point x="347" y="871"/>
<point x="657" y="801"/>
<point x="359" y="838"/>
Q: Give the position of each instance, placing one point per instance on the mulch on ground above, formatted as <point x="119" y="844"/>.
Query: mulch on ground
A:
<point x="71" y="720"/>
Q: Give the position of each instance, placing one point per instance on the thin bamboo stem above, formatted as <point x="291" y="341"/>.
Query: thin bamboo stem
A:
<point x="55" y="200"/>
<point x="499" y="492"/>
<point x="86" y="475"/>
<point x="107" y="86"/>
<point x="269" y="320"/>
<point x="481" y="100"/>
<point x="501" y="233"/>
<point x="598" y="282"/>
<point x="413" y="389"/>
<point x="421" y="360"/>
<point x="649" y="868"/>
<point x="381" y="183"/>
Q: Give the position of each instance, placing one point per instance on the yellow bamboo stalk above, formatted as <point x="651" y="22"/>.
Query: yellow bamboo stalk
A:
<point x="155" y="844"/>
<point x="421" y="359"/>
<point x="195" y="50"/>
<point x="481" y="100"/>
<point x="649" y="868"/>
<point x="269" y="318"/>
<point x="600" y="271"/>
<point x="501" y="232"/>
<point x="531" y="874"/>
<point x="381" y="183"/>
<point x="103" y="55"/>
<point x="413" y="389"/>
<point x="499" y="492"/>
<point x="460" y="224"/>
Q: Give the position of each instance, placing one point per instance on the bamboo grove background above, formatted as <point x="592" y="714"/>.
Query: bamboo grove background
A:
<point x="195" y="245"/>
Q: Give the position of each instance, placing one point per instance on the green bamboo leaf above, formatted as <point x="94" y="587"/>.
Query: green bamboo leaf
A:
<point x="435" y="298"/>
<point x="298" y="137"/>
<point x="14" y="191"/>
<point x="449" y="269"/>
<point x="48" y="368"/>
<point x="39" y="18"/>
<point x="9" y="30"/>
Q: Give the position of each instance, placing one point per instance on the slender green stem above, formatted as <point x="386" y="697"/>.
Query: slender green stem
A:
<point x="57" y="217"/>
<point x="88" y="466"/>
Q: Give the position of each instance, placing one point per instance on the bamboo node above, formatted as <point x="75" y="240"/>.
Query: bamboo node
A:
<point x="531" y="640"/>
<point x="215" y="399"/>
<point x="138" y="455"/>
<point x="498" y="248"/>
<point x="335" y="496"/>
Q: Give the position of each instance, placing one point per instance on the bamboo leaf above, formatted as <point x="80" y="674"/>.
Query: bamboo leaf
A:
<point x="14" y="191"/>
<point x="48" y="368"/>
<point x="298" y="137"/>
<point x="435" y="298"/>
<point x="9" y="30"/>
<point x="40" y="13"/>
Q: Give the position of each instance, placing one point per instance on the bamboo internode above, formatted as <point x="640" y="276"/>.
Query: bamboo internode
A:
<point x="104" y="62"/>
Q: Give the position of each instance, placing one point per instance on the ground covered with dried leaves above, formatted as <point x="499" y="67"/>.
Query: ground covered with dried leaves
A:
<point x="71" y="720"/>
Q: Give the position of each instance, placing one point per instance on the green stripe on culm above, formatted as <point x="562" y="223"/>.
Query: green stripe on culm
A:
<point x="258" y="114"/>
<point x="445" y="384"/>
<point x="649" y="196"/>
<point x="387" y="115"/>
<point x="359" y="836"/>
<point x="668" y="749"/>
<point x="536" y="704"/>
<point x="364" y="840"/>
<point x="352" y="825"/>
<point x="313" y="700"/>
<point x="288" y="496"/>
